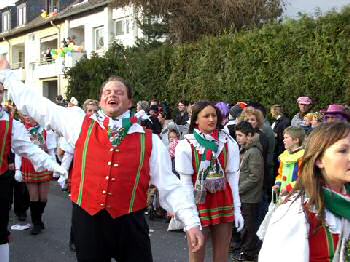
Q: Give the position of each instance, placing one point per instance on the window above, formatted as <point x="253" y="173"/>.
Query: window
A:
<point x="54" y="5"/>
<point x="124" y="26"/>
<point x="99" y="43"/>
<point x="119" y="29"/>
<point x="21" y="14"/>
<point x="21" y="59"/>
<point x="6" y="21"/>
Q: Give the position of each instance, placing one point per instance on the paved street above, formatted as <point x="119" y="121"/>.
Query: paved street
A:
<point x="52" y="244"/>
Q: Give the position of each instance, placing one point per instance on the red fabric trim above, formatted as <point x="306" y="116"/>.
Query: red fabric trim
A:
<point x="318" y="242"/>
<point x="5" y="165"/>
<point x="219" y="199"/>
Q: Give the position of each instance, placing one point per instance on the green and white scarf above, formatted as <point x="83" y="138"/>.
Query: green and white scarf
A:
<point x="210" y="175"/>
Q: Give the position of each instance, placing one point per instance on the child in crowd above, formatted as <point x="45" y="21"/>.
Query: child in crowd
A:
<point x="173" y="137"/>
<point x="290" y="159"/>
<point x="307" y="123"/>
<point x="250" y="188"/>
<point x="317" y="119"/>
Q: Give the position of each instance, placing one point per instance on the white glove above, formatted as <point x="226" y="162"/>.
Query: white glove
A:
<point x="18" y="176"/>
<point x="239" y="221"/>
<point x="61" y="171"/>
<point x="55" y="175"/>
<point x="62" y="181"/>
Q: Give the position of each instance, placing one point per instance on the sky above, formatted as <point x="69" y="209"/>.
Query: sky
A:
<point x="291" y="9"/>
<point x="309" y="6"/>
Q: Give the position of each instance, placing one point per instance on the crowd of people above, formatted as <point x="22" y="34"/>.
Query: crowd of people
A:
<point x="216" y="167"/>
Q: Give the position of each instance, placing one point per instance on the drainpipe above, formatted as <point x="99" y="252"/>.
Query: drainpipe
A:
<point x="59" y="41"/>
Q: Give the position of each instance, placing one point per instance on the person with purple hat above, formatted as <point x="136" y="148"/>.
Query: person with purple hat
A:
<point x="336" y="113"/>
<point x="305" y="104"/>
<point x="224" y="110"/>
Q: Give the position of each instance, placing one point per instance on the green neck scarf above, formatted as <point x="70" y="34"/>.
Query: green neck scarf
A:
<point x="207" y="144"/>
<point x="116" y="136"/>
<point x="338" y="204"/>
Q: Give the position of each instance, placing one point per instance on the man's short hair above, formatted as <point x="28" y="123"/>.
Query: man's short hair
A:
<point x="128" y="86"/>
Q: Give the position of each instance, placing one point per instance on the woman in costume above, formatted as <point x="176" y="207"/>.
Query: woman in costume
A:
<point x="38" y="183"/>
<point x="208" y="163"/>
<point x="314" y="220"/>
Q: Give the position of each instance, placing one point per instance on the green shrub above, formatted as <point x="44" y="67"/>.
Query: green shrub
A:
<point x="274" y="64"/>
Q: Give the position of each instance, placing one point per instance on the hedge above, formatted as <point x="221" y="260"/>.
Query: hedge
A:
<point x="273" y="65"/>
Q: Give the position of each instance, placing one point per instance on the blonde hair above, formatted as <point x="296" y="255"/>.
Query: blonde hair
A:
<point x="89" y="102"/>
<point x="317" y="116"/>
<point x="248" y="111"/>
<point x="309" y="116"/>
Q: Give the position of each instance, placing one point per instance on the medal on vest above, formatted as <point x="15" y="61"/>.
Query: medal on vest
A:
<point x="36" y="136"/>
<point x="116" y="135"/>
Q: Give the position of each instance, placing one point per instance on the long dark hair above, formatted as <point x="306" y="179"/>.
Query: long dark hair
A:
<point x="197" y="108"/>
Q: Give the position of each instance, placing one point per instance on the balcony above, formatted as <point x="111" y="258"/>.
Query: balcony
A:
<point x="47" y="68"/>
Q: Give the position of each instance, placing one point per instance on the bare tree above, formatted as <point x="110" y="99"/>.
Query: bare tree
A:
<point x="188" y="20"/>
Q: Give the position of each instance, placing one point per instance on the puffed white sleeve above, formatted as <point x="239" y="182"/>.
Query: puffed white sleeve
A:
<point x="45" y="112"/>
<point x="18" y="162"/>
<point x="232" y="170"/>
<point x="172" y="195"/>
<point x="22" y="146"/>
<point x="183" y="158"/>
<point x="183" y="166"/>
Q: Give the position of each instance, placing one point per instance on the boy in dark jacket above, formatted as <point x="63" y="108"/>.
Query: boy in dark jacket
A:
<point x="250" y="187"/>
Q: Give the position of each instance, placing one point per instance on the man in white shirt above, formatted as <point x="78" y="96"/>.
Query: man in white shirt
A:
<point x="13" y="135"/>
<point x="104" y="227"/>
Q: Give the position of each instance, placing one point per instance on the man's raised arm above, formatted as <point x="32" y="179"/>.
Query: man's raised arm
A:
<point x="46" y="113"/>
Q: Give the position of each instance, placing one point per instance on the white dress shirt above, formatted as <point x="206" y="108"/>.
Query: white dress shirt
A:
<point x="68" y="123"/>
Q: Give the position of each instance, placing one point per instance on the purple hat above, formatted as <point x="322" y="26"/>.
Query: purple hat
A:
<point x="224" y="109"/>
<point x="304" y="100"/>
<point x="336" y="109"/>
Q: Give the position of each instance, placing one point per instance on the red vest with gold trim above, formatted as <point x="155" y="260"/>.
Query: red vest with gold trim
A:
<point x="107" y="177"/>
<point x="5" y="144"/>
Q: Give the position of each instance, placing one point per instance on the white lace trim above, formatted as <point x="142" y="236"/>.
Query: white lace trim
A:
<point x="223" y="137"/>
<point x="100" y="117"/>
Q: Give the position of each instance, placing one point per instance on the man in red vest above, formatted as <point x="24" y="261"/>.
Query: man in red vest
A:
<point x="115" y="160"/>
<point x="13" y="135"/>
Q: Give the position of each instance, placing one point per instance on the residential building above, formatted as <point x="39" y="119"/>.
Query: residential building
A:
<point x="42" y="38"/>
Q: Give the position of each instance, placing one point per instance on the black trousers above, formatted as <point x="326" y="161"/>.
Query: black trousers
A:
<point x="5" y="186"/>
<point x="246" y="240"/>
<point x="248" y="237"/>
<point x="19" y="196"/>
<point x="99" y="238"/>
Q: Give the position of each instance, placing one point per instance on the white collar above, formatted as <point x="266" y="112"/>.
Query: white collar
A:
<point x="100" y="117"/>
<point x="223" y="138"/>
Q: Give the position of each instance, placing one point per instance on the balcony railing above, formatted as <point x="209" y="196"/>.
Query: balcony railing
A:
<point x="17" y="65"/>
